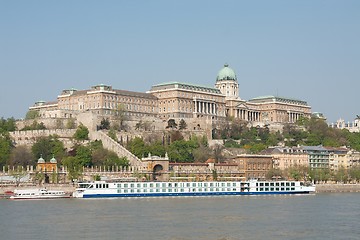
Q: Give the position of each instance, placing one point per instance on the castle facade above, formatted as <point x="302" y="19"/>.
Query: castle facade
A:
<point x="177" y="100"/>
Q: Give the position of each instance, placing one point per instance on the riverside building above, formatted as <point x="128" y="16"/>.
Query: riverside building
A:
<point x="177" y="100"/>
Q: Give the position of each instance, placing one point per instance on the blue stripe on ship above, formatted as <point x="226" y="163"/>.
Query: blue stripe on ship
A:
<point x="187" y="194"/>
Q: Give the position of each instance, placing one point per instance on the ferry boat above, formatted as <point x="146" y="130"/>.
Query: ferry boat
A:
<point x="103" y="189"/>
<point x="37" y="193"/>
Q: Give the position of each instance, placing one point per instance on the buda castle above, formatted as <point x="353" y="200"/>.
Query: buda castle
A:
<point x="177" y="100"/>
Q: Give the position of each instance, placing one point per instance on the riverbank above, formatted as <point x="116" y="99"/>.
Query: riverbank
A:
<point x="337" y="188"/>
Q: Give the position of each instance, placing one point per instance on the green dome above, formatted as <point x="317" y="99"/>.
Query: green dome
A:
<point x="41" y="160"/>
<point x="226" y="73"/>
<point x="53" y="160"/>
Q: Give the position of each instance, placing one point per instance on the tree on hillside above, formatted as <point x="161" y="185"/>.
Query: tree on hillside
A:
<point x="104" y="124"/>
<point x="21" y="156"/>
<point x="182" y="124"/>
<point x="5" y="148"/>
<point x="82" y="133"/>
<point x="48" y="147"/>
<point x="35" y="126"/>
<point x="32" y="114"/>
<point x="120" y="117"/>
<point x="7" y="125"/>
<point x="74" y="167"/>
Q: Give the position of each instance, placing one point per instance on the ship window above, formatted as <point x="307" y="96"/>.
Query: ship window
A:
<point x="211" y="189"/>
<point x="228" y="184"/>
<point x="125" y="190"/>
<point x="151" y="190"/>
<point x="145" y="185"/>
<point x="272" y="184"/>
<point x="138" y="185"/>
<point x="157" y="190"/>
<point x="292" y="184"/>
<point x="277" y="189"/>
<point x="266" y="189"/>
<point x="287" y="184"/>
<point x="158" y="185"/>
<point x="261" y="184"/>
<point x="261" y="189"/>
<point x="132" y="185"/>
<point x="282" y="189"/>
<point x="169" y="190"/>
<point x="234" y="184"/>
<point x="125" y="185"/>
<point x="293" y="189"/>
<point x="151" y="185"/>
<point x="145" y="190"/>
<point x="205" y="184"/>
<point x="138" y="190"/>
<point x="211" y="184"/>
<point x="181" y="190"/>
<point x="287" y="189"/>
<point x="200" y="189"/>
<point x="132" y="190"/>
<point x="277" y="184"/>
<point x="272" y="189"/>
<point x="282" y="184"/>
<point x="267" y="184"/>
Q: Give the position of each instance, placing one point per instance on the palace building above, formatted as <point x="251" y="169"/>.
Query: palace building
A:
<point x="178" y="100"/>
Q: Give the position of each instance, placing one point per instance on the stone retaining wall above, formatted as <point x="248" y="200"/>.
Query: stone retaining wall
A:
<point x="338" y="188"/>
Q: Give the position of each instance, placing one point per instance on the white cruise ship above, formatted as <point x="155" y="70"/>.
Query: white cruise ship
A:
<point x="103" y="189"/>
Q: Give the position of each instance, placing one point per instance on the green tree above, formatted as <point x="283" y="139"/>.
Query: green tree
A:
<point x="47" y="147"/>
<point x="74" y="167"/>
<point x="82" y="133"/>
<point x="5" y="147"/>
<point x="120" y="117"/>
<point x="32" y="114"/>
<point x="7" y="125"/>
<point x="104" y="124"/>
<point x="35" y="126"/>
<point x="137" y="147"/>
<point x="83" y="153"/>
<point x="182" y="124"/>
<point x="112" y="134"/>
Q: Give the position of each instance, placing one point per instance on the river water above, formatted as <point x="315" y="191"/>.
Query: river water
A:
<point x="320" y="216"/>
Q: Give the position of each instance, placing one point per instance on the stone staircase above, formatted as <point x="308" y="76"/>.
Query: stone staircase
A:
<point x="110" y="144"/>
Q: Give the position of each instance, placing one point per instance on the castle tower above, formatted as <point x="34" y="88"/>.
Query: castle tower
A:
<point x="226" y="82"/>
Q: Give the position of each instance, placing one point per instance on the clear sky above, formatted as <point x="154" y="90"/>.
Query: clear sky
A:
<point x="308" y="50"/>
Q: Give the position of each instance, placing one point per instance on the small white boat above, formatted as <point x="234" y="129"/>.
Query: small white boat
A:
<point x="37" y="193"/>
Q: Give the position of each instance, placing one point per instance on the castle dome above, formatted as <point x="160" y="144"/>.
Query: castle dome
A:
<point x="53" y="160"/>
<point x="41" y="160"/>
<point x="226" y="73"/>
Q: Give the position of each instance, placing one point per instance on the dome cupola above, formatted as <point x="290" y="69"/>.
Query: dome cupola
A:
<point x="226" y="73"/>
<point x="41" y="160"/>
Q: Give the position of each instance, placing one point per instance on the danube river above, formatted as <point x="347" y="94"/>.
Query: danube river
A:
<point x="320" y="216"/>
